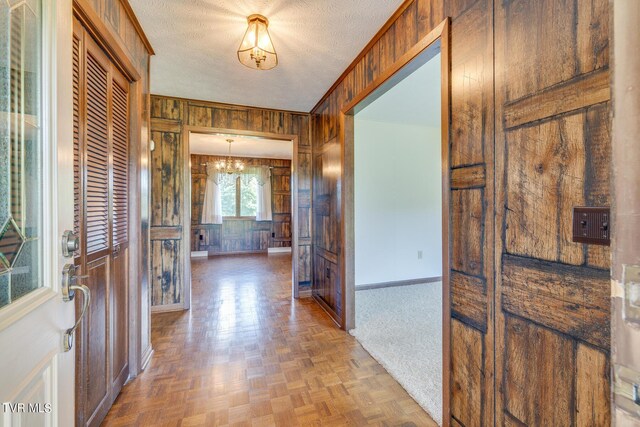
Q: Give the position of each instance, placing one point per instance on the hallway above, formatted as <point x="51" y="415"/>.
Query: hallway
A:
<point x="246" y="355"/>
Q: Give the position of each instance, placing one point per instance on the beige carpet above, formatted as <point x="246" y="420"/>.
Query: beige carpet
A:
<point x="401" y="327"/>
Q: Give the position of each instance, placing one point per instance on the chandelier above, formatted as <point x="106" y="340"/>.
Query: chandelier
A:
<point x="230" y="166"/>
<point x="256" y="49"/>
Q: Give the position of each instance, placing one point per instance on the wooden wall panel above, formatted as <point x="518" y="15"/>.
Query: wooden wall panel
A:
<point x="172" y="118"/>
<point x="304" y="272"/>
<point x="529" y="139"/>
<point x="593" y="372"/>
<point x="539" y="370"/>
<point x="467" y="223"/>
<point x="167" y="194"/>
<point x="574" y="301"/>
<point x="577" y="31"/>
<point x="471" y="208"/>
<point x="257" y="236"/>
<point x="326" y="209"/>
<point x="468" y="300"/>
<point x="553" y="153"/>
<point x="466" y="375"/>
<point x="545" y="180"/>
<point x="166" y="179"/>
<point x="166" y="271"/>
<point x="326" y="217"/>
<point x="119" y="17"/>
<point x="472" y="85"/>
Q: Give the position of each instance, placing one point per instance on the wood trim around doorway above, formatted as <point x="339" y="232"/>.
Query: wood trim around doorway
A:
<point x="396" y="72"/>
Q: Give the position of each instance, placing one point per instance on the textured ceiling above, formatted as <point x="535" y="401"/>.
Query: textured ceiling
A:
<point x="196" y="42"/>
<point x="413" y="101"/>
<point x="217" y="145"/>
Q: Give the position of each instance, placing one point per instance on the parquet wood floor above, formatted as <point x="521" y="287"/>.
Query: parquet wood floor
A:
<point x="246" y="354"/>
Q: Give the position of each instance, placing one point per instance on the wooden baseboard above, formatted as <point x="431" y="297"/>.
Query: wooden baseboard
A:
<point x="204" y="254"/>
<point x="327" y="310"/>
<point x="237" y="253"/>
<point x="306" y="293"/>
<point x="167" y="307"/>
<point x="380" y="285"/>
<point x="286" y="250"/>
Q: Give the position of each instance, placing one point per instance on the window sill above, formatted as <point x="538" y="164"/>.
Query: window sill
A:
<point x="238" y="218"/>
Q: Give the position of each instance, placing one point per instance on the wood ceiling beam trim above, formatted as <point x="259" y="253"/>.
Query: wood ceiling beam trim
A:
<point x="238" y="107"/>
<point x="364" y="51"/>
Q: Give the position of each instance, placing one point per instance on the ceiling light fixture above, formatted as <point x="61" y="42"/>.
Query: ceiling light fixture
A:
<point x="256" y="50"/>
<point x="229" y="166"/>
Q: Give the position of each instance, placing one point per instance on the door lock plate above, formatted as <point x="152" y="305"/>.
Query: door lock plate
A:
<point x="68" y="280"/>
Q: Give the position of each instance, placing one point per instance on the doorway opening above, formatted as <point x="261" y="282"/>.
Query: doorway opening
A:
<point x="396" y="221"/>
<point x="246" y="211"/>
<point x="398" y="236"/>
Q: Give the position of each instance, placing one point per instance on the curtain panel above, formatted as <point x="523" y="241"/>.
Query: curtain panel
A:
<point x="262" y="175"/>
<point x="212" y="207"/>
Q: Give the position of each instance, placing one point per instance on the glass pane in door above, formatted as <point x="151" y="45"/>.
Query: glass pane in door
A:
<point x="20" y="149"/>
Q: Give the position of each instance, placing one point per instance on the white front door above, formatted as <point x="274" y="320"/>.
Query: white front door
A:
<point x="36" y="207"/>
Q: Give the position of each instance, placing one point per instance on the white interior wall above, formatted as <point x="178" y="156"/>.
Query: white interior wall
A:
<point x="397" y="178"/>
<point x="398" y="202"/>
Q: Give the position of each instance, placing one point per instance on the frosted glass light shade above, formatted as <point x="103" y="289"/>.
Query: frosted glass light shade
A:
<point x="256" y="50"/>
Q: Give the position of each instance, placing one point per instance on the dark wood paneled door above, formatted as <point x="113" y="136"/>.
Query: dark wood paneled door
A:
<point x="101" y="178"/>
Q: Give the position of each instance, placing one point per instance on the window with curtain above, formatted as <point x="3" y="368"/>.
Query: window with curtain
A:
<point x="244" y="196"/>
<point x="240" y="196"/>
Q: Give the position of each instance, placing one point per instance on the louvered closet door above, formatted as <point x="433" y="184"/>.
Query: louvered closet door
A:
<point x="94" y="388"/>
<point x="78" y="83"/>
<point x="101" y="143"/>
<point x="120" y="231"/>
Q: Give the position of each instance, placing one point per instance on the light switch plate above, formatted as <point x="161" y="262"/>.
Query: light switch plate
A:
<point x="592" y="225"/>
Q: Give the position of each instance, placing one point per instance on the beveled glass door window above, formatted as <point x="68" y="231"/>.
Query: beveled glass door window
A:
<point x="20" y="149"/>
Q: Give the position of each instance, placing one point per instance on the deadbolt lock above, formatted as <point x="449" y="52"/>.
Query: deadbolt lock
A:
<point x="70" y="243"/>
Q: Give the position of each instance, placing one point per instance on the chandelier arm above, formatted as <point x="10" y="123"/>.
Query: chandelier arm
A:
<point x="229" y="166"/>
